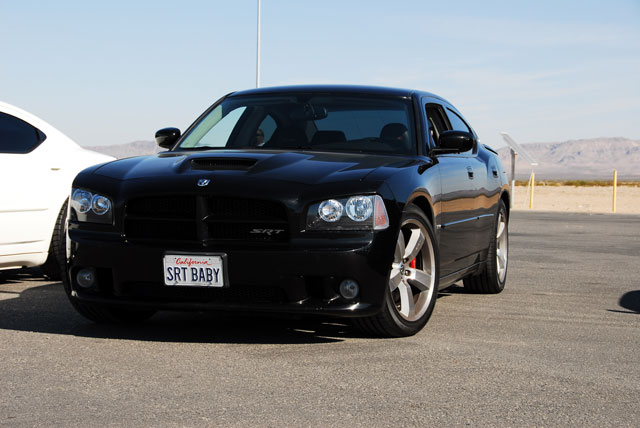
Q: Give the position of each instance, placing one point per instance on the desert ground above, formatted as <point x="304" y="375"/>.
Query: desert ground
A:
<point x="588" y="199"/>
<point x="557" y="348"/>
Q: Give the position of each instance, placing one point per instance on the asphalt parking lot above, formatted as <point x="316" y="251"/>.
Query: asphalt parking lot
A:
<point x="559" y="347"/>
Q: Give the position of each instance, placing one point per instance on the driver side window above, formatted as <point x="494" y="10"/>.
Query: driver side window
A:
<point x="457" y="124"/>
<point x="437" y="122"/>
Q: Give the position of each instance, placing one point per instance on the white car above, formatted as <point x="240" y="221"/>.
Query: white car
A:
<point x="37" y="165"/>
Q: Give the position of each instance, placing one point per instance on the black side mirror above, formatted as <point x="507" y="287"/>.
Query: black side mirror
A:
<point x="167" y="137"/>
<point x="455" y="142"/>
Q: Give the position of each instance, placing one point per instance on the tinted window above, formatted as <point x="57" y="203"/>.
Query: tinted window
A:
<point x="437" y="123"/>
<point x="17" y="136"/>
<point x="456" y="122"/>
<point x="308" y="121"/>
<point x="265" y="130"/>
<point x="219" y="127"/>
<point x="360" y="124"/>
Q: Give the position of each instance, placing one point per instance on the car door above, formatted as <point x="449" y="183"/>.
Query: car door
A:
<point x="477" y="168"/>
<point x="27" y="171"/>
<point x="458" y="246"/>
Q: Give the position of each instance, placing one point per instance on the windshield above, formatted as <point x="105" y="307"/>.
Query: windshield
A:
<point x="307" y="122"/>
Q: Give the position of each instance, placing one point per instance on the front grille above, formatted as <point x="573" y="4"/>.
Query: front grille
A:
<point x="244" y="209"/>
<point x="162" y="229"/>
<point x="174" y="207"/>
<point x="205" y="220"/>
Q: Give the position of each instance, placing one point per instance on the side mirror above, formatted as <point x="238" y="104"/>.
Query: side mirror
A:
<point x="167" y="137"/>
<point x="455" y="142"/>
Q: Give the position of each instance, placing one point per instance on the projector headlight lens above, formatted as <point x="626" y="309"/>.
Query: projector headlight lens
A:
<point x="100" y="204"/>
<point x="359" y="208"/>
<point x="81" y="201"/>
<point x="330" y="211"/>
<point x="91" y="207"/>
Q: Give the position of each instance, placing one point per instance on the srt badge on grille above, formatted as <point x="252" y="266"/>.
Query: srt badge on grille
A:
<point x="203" y="182"/>
<point x="267" y="231"/>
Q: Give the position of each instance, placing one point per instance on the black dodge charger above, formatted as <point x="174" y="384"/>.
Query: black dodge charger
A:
<point x="348" y="201"/>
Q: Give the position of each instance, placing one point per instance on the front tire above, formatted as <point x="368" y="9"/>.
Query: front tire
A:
<point x="413" y="280"/>
<point x="494" y="275"/>
<point x="93" y="312"/>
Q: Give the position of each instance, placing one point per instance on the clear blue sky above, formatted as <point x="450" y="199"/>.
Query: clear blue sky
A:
<point x="114" y="72"/>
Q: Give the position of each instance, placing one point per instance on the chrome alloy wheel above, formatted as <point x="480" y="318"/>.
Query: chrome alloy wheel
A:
<point x="502" y="247"/>
<point x="412" y="279"/>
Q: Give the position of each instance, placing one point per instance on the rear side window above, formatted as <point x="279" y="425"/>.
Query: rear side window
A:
<point x="17" y="136"/>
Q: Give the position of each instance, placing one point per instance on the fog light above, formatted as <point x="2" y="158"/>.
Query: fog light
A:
<point x="349" y="289"/>
<point x="86" y="277"/>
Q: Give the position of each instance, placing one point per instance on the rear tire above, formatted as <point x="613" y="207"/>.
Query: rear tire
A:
<point x="494" y="275"/>
<point x="412" y="291"/>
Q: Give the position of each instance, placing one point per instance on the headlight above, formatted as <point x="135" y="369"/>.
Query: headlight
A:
<point x="364" y="212"/>
<point x="330" y="211"/>
<point x="81" y="201"/>
<point x="359" y="208"/>
<point x="100" y="204"/>
<point x="91" y="207"/>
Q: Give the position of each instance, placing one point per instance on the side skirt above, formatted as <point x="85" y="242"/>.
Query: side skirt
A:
<point x="457" y="276"/>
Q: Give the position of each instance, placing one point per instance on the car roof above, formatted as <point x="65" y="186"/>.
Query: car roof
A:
<point x="335" y="89"/>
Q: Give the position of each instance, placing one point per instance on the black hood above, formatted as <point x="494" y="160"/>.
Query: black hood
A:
<point x="309" y="168"/>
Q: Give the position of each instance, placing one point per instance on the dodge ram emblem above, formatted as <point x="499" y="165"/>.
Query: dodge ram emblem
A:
<point x="203" y="182"/>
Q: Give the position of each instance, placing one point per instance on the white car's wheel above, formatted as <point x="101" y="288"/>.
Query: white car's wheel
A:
<point x="54" y="266"/>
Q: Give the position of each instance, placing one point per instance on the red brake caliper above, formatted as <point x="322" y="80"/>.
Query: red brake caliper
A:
<point x="412" y="264"/>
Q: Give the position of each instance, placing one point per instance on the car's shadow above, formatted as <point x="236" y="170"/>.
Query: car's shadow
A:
<point x="455" y="289"/>
<point x="46" y="309"/>
<point x="43" y="307"/>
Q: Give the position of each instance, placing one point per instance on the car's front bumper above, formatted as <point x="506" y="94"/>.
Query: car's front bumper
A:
<point x="294" y="278"/>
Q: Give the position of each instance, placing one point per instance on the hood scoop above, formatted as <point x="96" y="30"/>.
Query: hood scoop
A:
<point x="222" y="164"/>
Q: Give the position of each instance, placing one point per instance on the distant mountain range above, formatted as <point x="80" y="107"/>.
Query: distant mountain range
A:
<point x="136" y="148"/>
<point x="593" y="159"/>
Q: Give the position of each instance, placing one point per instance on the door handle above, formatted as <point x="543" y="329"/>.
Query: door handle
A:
<point x="470" y="172"/>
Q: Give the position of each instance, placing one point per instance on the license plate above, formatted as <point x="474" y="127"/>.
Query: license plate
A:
<point x="193" y="271"/>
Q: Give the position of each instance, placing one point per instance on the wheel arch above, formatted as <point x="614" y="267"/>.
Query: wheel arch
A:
<point x="422" y="202"/>
<point x="58" y="206"/>
<point x="507" y="201"/>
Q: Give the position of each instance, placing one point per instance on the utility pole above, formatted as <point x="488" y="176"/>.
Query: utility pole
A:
<point x="258" y="51"/>
<point x="513" y="175"/>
